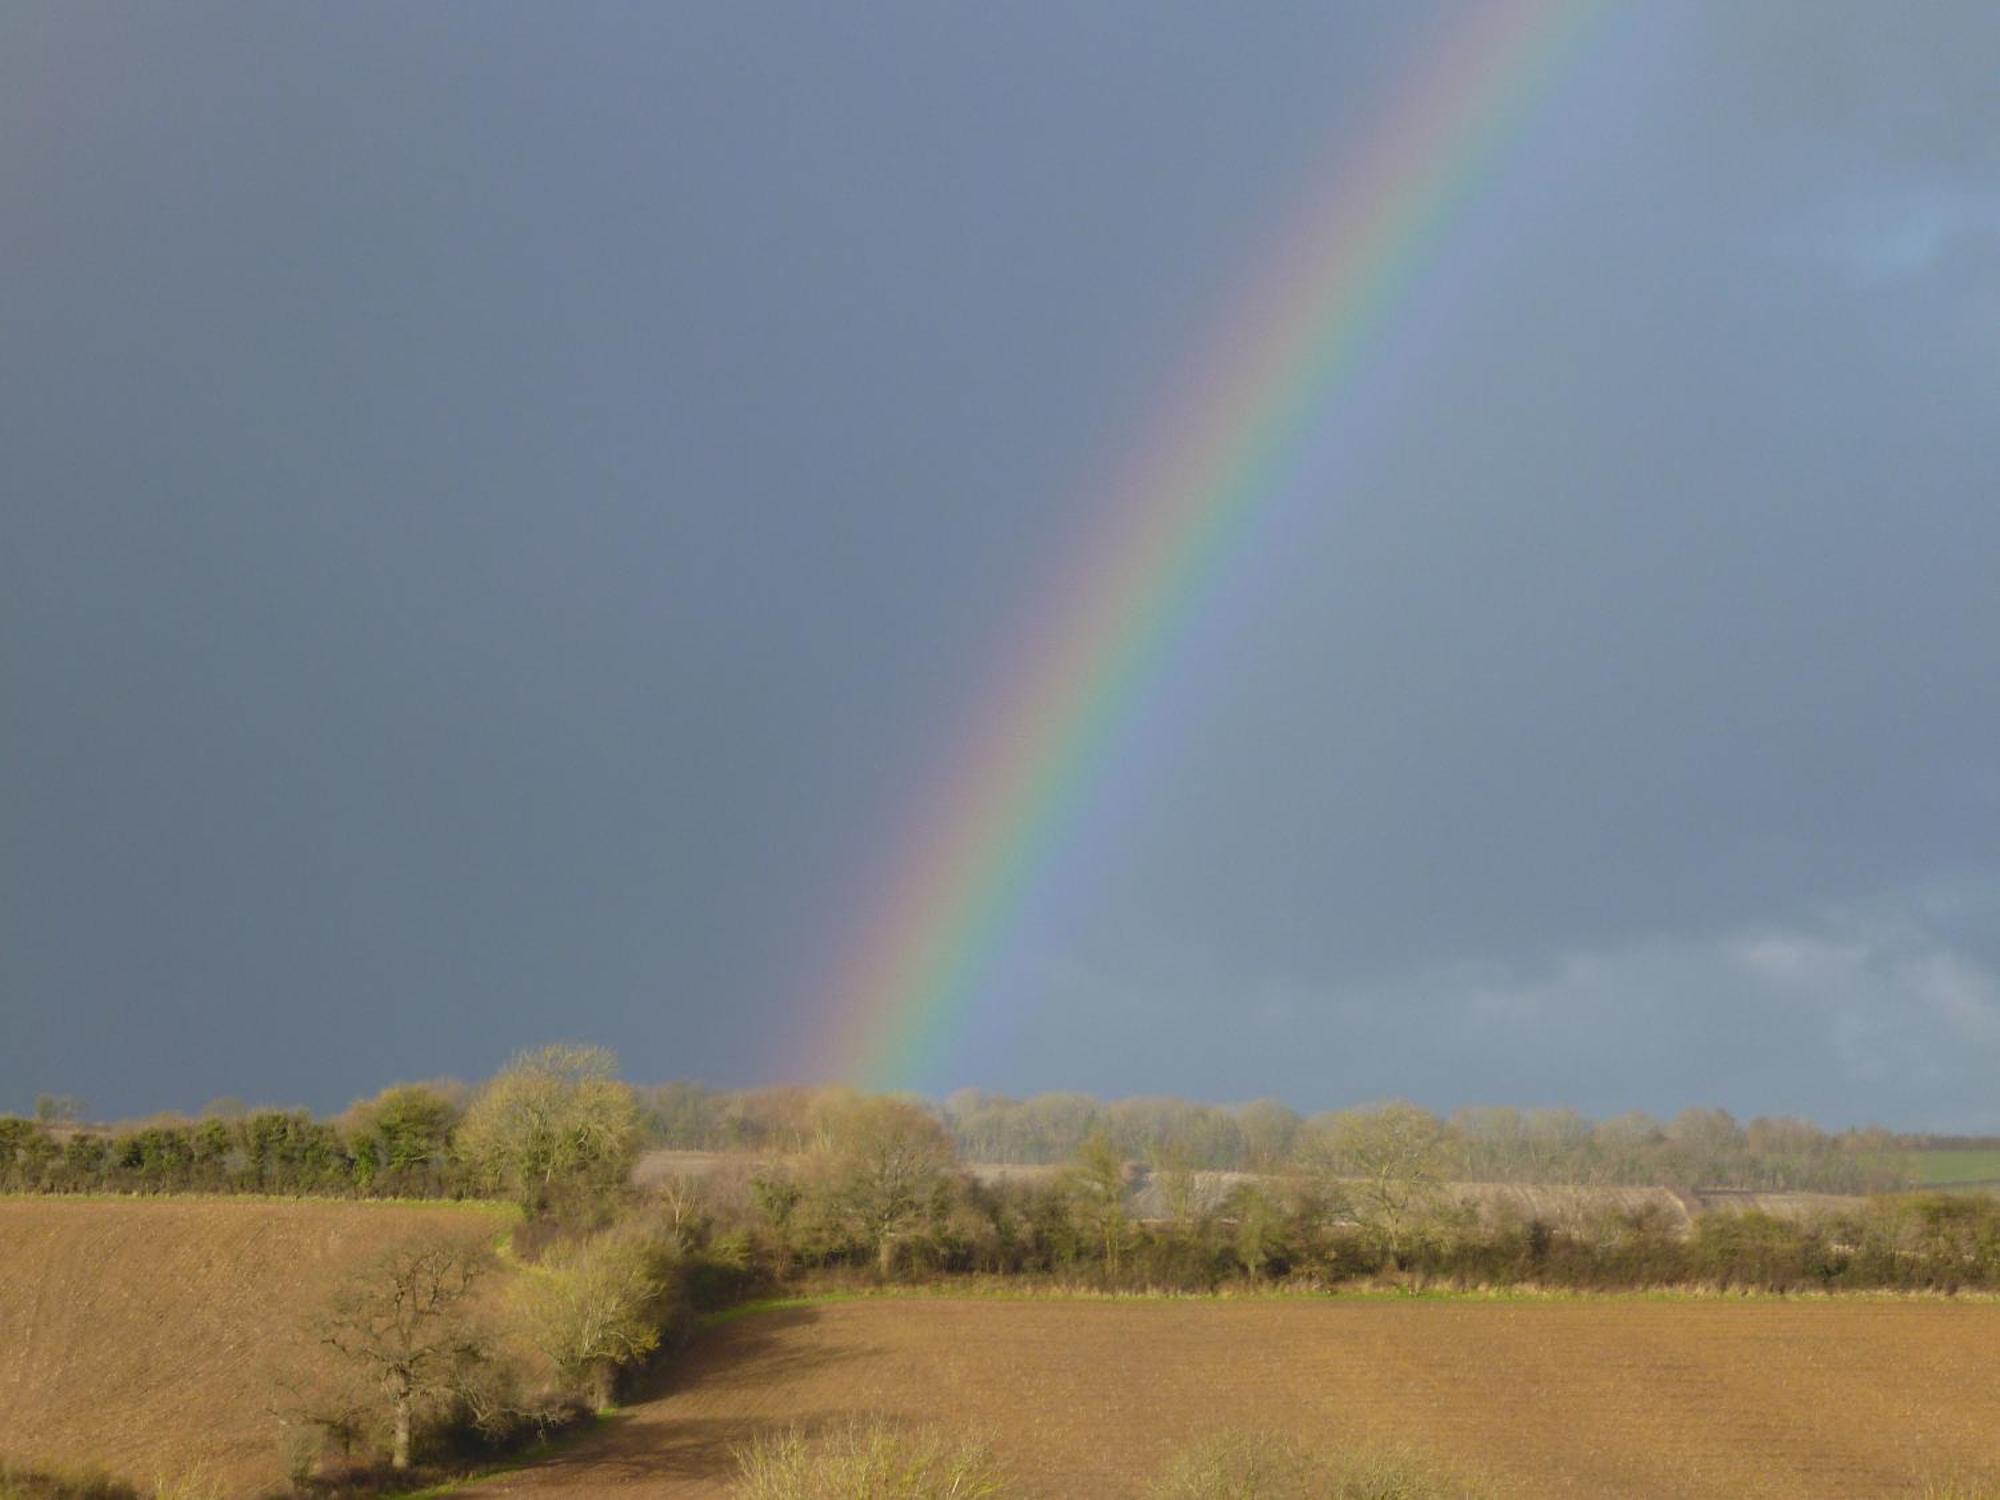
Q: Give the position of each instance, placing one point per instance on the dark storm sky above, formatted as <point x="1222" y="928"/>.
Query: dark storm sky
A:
<point x="500" y="506"/>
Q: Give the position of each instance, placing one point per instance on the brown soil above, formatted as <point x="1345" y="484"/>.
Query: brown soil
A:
<point x="143" y="1334"/>
<point x="1577" y="1398"/>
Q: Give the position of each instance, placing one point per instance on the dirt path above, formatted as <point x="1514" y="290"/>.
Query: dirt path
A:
<point x="1811" y="1400"/>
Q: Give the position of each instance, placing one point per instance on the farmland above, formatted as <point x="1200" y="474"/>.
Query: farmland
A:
<point x="1088" y="1315"/>
<point x="1952" y="1167"/>
<point x="142" y="1334"/>
<point x="1564" y="1397"/>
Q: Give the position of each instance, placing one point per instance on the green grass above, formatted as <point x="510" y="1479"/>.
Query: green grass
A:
<point x="1950" y="1167"/>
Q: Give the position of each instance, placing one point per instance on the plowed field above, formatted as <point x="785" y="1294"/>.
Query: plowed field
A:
<point x="1812" y="1400"/>
<point x="139" y="1333"/>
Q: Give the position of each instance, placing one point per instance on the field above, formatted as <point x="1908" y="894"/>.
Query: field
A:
<point x="1951" y="1167"/>
<point x="1602" y="1397"/>
<point x="139" y="1333"/>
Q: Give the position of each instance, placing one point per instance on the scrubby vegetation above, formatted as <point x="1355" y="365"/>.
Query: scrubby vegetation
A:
<point x="434" y="1355"/>
<point x="1270" y="1466"/>
<point x="411" y="1358"/>
<point x="878" y="1460"/>
<point x="1961" y="1487"/>
<point x="869" y="1461"/>
<point x="882" y="1461"/>
<point x="18" y="1483"/>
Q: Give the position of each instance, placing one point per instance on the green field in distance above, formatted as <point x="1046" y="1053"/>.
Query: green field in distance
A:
<point x="1946" y="1167"/>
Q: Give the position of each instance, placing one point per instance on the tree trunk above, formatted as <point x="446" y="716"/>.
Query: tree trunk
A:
<point x="601" y="1385"/>
<point x="399" y="1450"/>
<point x="885" y="1254"/>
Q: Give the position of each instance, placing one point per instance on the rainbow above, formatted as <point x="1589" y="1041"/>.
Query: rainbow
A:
<point x="958" y="877"/>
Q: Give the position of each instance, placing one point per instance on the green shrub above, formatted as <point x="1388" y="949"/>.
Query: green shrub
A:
<point x="874" y="1460"/>
<point x="593" y="1307"/>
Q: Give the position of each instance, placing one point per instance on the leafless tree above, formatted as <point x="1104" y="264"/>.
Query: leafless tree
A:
<point x="403" y="1317"/>
<point x="1387" y="1163"/>
<point x="1172" y="1164"/>
<point x="888" y="1168"/>
<point x="1097" y="1182"/>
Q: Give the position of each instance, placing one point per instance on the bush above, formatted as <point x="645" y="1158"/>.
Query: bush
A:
<point x="1268" y="1466"/>
<point x="593" y="1307"/>
<point x="1960" y="1487"/>
<point x="1402" y="1474"/>
<point x="868" y="1461"/>
<point x="17" y="1483"/>
<point x="1241" y="1466"/>
<point x="556" y="1129"/>
<point x="1758" y="1250"/>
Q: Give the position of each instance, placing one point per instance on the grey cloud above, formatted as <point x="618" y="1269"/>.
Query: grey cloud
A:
<point x="1885" y="1009"/>
<point x="1882" y="87"/>
<point x="499" y="513"/>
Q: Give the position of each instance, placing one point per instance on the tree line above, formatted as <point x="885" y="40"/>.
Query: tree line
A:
<point x="412" y="1140"/>
<point x="1365" y="1195"/>
<point x="556" y="1120"/>
<point x="1696" y="1148"/>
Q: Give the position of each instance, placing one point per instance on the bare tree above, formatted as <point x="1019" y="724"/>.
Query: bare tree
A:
<point x="1702" y="1142"/>
<point x="683" y="1205"/>
<point x="403" y="1318"/>
<point x="1172" y="1163"/>
<point x="321" y="1406"/>
<point x="1386" y="1163"/>
<point x="1096" y="1181"/>
<point x="1268" y="1128"/>
<point x="889" y="1165"/>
